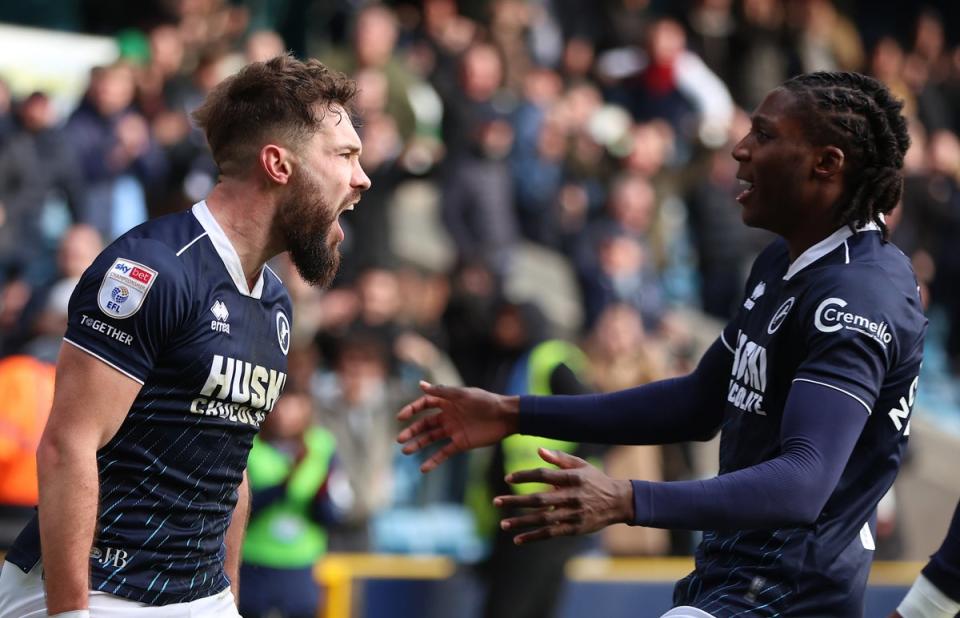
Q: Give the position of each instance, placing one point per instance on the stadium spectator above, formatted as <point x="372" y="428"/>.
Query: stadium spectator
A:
<point x="118" y="155"/>
<point x="476" y="189"/>
<point x="520" y="583"/>
<point x="39" y="174"/>
<point x="586" y="163"/>
<point x="537" y="156"/>
<point x="44" y="319"/>
<point x="263" y="45"/>
<point x="356" y="400"/>
<point x="941" y="205"/>
<point x="474" y="98"/>
<point x="191" y="170"/>
<point x="509" y="23"/>
<point x="620" y="270"/>
<point x="886" y="64"/>
<point x="373" y="47"/>
<point x="578" y="59"/>
<point x="616" y="262"/>
<point x="164" y="72"/>
<point x="712" y="26"/>
<point x="760" y="54"/>
<point x="475" y="292"/>
<point x="426" y="294"/>
<point x="622" y="352"/>
<point x="824" y="38"/>
<point x="290" y="468"/>
<point x="40" y="139"/>
<point x="119" y="158"/>
<point x="442" y="37"/>
<point x="674" y="84"/>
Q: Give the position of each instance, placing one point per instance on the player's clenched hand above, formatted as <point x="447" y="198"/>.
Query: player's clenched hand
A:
<point x="467" y="417"/>
<point x="583" y="500"/>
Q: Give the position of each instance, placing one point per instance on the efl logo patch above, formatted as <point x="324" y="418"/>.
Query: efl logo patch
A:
<point x="124" y="287"/>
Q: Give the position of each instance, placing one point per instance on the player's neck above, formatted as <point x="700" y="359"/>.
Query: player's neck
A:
<point x="812" y="223"/>
<point x="243" y="215"/>
<point x="801" y="240"/>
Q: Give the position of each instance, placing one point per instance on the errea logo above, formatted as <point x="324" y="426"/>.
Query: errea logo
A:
<point x="830" y="317"/>
<point x="220" y="312"/>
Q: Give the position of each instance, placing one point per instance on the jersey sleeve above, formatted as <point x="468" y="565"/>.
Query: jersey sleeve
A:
<point x="849" y="328"/>
<point x="128" y="304"/>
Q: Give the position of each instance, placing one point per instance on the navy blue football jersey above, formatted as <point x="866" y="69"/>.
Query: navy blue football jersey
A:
<point x="168" y="305"/>
<point x="846" y="314"/>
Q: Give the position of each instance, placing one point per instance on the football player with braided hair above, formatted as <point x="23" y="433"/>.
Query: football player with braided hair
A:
<point x="858" y="114"/>
<point x="810" y="386"/>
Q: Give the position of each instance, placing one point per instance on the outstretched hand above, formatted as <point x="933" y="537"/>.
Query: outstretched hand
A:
<point x="468" y="418"/>
<point x="583" y="500"/>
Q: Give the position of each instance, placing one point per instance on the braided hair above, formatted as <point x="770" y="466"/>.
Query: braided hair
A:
<point x="859" y="115"/>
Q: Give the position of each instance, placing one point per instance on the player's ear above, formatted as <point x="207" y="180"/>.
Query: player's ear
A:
<point x="830" y="162"/>
<point x="275" y="162"/>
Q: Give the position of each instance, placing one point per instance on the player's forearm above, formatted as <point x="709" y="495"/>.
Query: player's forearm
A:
<point x="676" y="410"/>
<point x="779" y="492"/>
<point x="69" y="489"/>
<point x="234" y="537"/>
<point x="820" y="428"/>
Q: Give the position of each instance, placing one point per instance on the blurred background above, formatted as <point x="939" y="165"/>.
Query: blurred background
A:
<point x="552" y="212"/>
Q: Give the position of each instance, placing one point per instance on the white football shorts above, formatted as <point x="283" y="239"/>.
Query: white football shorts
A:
<point x="22" y="596"/>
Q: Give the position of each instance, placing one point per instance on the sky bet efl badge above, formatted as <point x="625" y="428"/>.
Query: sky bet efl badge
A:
<point x="124" y="287"/>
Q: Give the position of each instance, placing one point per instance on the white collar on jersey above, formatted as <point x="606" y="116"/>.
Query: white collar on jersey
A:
<point x="226" y="251"/>
<point x="824" y="247"/>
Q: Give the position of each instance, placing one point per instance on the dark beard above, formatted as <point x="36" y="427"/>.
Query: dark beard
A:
<point x="305" y="221"/>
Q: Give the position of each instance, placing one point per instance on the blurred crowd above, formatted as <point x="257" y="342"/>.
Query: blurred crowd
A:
<point x="541" y="172"/>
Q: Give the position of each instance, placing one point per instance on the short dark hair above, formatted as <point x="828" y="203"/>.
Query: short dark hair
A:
<point x="859" y="115"/>
<point x="283" y="98"/>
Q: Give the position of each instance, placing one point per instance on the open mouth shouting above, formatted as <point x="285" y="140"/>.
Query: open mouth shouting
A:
<point x="350" y="206"/>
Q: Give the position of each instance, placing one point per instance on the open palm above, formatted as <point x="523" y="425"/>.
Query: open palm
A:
<point x="467" y="417"/>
